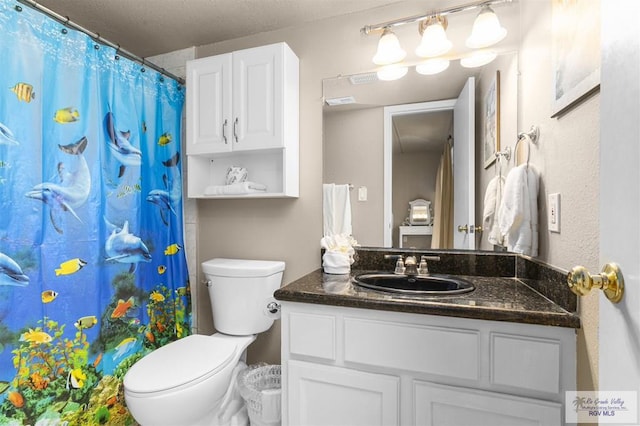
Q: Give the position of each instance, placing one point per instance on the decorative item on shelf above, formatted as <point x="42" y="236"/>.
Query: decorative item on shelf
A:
<point x="432" y="26"/>
<point x="236" y="174"/>
<point x="420" y="212"/>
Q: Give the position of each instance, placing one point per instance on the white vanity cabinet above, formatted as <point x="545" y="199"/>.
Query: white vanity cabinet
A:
<point x="348" y="366"/>
<point x="243" y="110"/>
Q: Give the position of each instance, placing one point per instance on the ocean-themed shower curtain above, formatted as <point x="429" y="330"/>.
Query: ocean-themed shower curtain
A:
<point x="92" y="268"/>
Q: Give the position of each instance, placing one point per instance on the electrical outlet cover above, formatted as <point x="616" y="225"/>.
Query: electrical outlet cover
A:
<point x="554" y="212"/>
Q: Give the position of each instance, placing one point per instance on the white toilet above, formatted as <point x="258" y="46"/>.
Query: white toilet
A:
<point x="192" y="381"/>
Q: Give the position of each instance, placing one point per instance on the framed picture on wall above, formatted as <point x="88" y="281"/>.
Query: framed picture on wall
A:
<point x="491" y="136"/>
<point x="576" y="52"/>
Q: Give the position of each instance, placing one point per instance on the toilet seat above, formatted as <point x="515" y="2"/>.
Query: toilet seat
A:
<point x="183" y="362"/>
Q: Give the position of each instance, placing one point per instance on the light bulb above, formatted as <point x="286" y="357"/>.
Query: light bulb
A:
<point x="478" y="59"/>
<point x="389" y="50"/>
<point x="432" y="66"/>
<point x="392" y="72"/>
<point x="434" y="40"/>
<point x="486" y="29"/>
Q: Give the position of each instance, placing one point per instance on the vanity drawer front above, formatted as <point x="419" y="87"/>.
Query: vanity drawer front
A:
<point x="444" y="351"/>
<point x="524" y="362"/>
<point x="312" y="335"/>
<point x="436" y="404"/>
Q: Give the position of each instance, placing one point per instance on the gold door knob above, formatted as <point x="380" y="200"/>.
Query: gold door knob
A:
<point x="464" y="228"/>
<point x="610" y="281"/>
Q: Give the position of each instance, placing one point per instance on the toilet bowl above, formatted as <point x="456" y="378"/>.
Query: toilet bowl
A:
<point x="192" y="381"/>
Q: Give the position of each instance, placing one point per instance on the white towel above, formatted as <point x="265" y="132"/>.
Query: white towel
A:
<point x="235" y="189"/>
<point x="339" y="251"/>
<point x="492" y="201"/>
<point x="336" y="209"/>
<point x="518" y="214"/>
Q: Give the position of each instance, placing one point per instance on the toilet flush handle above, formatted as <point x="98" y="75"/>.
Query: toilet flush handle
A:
<point x="273" y="307"/>
<point x="207" y="283"/>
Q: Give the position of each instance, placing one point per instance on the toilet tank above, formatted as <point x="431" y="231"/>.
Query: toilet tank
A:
<point x="240" y="291"/>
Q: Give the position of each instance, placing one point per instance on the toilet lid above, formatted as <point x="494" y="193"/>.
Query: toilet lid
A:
<point x="178" y="363"/>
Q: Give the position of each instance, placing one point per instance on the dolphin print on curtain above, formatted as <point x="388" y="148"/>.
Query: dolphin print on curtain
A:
<point x="92" y="268"/>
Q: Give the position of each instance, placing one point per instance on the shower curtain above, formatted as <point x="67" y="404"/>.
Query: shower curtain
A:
<point x="442" y="237"/>
<point x="92" y="268"/>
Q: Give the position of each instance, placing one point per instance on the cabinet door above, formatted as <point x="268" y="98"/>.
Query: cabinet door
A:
<point x="257" y="98"/>
<point x="435" y="405"/>
<point x="325" y="395"/>
<point x="209" y="123"/>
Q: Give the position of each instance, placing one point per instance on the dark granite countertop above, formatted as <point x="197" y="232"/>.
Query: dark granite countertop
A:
<point x="496" y="298"/>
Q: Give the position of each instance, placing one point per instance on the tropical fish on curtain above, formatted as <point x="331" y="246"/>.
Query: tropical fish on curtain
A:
<point x="93" y="274"/>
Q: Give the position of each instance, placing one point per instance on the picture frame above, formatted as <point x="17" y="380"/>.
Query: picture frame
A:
<point x="576" y="52"/>
<point x="491" y="134"/>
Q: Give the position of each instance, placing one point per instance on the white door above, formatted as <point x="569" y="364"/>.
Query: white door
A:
<point x="389" y="113"/>
<point x="257" y="97"/>
<point x="209" y="105"/>
<point x="464" y="205"/>
<point x="619" y="331"/>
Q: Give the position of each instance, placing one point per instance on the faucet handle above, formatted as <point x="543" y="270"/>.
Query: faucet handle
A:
<point x="399" y="267"/>
<point x="423" y="268"/>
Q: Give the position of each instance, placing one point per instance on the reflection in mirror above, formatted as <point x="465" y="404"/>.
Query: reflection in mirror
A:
<point x="354" y="153"/>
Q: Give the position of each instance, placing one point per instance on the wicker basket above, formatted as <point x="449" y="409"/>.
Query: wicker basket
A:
<point x="260" y="388"/>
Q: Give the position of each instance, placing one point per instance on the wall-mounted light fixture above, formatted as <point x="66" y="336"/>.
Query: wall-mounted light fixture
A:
<point x="486" y="31"/>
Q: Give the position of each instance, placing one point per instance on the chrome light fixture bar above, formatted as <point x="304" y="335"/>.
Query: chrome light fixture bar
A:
<point x="368" y="29"/>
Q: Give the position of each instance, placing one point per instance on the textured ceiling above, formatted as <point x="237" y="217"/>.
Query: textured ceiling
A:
<point x="151" y="27"/>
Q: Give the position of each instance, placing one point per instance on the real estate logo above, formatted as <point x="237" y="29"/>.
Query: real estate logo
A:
<point x="601" y="407"/>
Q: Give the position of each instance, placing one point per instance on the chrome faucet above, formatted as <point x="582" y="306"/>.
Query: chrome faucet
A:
<point x="410" y="266"/>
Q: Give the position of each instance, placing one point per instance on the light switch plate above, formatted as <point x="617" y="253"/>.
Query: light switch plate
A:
<point x="554" y="212"/>
<point x="362" y="193"/>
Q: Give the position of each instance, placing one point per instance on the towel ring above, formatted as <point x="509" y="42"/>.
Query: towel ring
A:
<point x="532" y="135"/>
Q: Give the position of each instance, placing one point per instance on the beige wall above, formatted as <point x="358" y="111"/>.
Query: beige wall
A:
<point x="289" y="230"/>
<point x="357" y="135"/>
<point x="567" y="157"/>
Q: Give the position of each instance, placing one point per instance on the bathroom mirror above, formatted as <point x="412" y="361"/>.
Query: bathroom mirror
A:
<point x="354" y="147"/>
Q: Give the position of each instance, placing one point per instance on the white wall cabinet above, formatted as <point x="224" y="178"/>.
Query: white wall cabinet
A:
<point x="243" y="110"/>
<point x="347" y="366"/>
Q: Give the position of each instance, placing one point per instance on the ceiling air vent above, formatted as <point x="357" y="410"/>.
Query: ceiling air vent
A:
<point x="365" y="78"/>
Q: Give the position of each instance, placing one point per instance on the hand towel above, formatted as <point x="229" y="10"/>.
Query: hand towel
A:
<point x="336" y="209"/>
<point x="338" y="255"/>
<point x="518" y="214"/>
<point x="235" y="188"/>
<point x="492" y="201"/>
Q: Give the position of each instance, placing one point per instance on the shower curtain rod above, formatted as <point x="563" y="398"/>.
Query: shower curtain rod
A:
<point x="64" y="20"/>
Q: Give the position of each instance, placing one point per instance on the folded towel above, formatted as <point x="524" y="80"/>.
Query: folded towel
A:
<point x="492" y="201"/>
<point x="518" y="214"/>
<point x="235" y="189"/>
<point x="336" y="209"/>
<point x="338" y="255"/>
<point x="336" y="263"/>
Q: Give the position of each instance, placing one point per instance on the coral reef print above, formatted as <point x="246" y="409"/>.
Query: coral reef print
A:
<point x="92" y="268"/>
